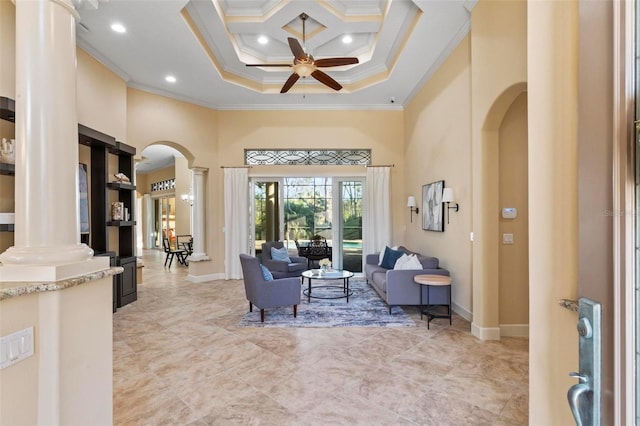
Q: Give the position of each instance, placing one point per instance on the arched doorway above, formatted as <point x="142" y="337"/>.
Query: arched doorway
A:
<point x="164" y="184"/>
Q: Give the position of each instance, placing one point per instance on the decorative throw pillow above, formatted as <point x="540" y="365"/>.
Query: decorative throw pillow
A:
<point x="382" y="253"/>
<point x="401" y="261"/>
<point x="280" y="254"/>
<point x="390" y="258"/>
<point x="411" y="263"/>
<point x="266" y="273"/>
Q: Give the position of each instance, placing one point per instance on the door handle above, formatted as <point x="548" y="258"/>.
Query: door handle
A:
<point x="575" y="394"/>
<point x="584" y="397"/>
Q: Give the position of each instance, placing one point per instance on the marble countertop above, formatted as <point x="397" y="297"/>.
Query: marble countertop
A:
<point x="15" y="289"/>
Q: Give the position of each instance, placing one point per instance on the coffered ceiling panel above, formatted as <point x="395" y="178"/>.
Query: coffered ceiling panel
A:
<point x="206" y="45"/>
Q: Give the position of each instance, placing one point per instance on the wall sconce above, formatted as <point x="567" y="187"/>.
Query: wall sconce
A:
<point x="411" y="203"/>
<point x="448" y="197"/>
<point x="187" y="198"/>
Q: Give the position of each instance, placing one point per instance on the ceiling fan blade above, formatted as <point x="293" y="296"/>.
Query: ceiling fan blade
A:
<point x="290" y="82"/>
<point x="326" y="80"/>
<point x="335" y="62"/>
<point x="296" y="49"/>
<point x="268" y="65"/>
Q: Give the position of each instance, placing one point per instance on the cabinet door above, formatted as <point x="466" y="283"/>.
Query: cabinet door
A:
<point x="127" y="285"/>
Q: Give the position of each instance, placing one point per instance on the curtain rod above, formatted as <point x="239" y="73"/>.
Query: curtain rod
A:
<point x="384" y="165"/>
<point x="236" y="167"/>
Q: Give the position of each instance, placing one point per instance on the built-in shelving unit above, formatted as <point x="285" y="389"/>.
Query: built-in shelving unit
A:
<point x="7" y="113"/>
<point x="103" y="190"/>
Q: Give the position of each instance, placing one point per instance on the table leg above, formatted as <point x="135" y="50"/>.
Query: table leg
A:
<point x="449" y="306"/>
<point x="309" y="292"/>
<point x="428" y="300"/>
<point x="347" y="290"/>
<point x="421" y="305"/>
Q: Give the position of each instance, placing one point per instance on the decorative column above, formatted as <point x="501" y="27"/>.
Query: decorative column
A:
<point x="197" y="221"/>
<point x="47" y="231"/>
<point x="149" y="221"/>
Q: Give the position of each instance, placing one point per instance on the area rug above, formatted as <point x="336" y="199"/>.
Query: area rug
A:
<point x="365" y="309"/>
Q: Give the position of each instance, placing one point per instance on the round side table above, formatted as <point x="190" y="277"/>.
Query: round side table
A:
<point x="436" y="281"/>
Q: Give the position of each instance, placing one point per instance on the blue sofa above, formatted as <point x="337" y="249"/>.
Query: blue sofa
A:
<point x="396" y="287"/>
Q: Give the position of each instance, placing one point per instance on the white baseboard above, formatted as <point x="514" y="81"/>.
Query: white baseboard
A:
<point x="514" y="330"/>
<point x="462" y="312"/>
<point x="203" y="278"/>
<point x="485" y="333"/>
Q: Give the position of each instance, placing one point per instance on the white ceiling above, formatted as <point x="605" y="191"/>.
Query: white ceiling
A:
<point x="156" y="157"/>
<point x="205" y="44"/>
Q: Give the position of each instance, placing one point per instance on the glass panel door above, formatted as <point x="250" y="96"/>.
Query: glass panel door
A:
<point x="266" y="213"/>
<point x="348" y="242"/>
<point x="308" y="209"/>
<point x="165" y="220"/>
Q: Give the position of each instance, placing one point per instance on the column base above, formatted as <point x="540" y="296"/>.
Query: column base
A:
<point x="50" y="273"/>
<point x="198" y="257"/>
<point x="58" y="255"/>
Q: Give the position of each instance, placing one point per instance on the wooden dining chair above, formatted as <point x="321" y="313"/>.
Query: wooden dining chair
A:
<point x="171" y="253"/>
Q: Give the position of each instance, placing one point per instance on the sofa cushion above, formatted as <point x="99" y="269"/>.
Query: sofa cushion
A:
<point x="297" y="267"/>
<point x="390" y="257"/>
<point x="428" y="262"/>
<point x="280" y="254"/>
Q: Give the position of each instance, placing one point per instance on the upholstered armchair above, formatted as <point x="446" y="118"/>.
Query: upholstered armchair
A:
<point x="282" y="268"/>
<point x="268" y="294"/>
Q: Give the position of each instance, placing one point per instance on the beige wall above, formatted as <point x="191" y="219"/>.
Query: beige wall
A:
<point x="7" y="49"/>
<point x="438" y="123"/>
<point x="19" y="382"/>
<point x="380" y="131"/>
<point x="514" y="259"/>
<point x="498" y="76"/>
<point x="69" y="325"/>
<point x="102" y="98"/>
<point x="192" y="130"/>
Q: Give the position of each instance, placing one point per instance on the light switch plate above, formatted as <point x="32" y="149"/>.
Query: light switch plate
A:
<point x="15" y="347"/>
<point x="507" y="238"/>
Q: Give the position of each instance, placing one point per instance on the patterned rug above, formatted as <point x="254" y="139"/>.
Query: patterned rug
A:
<point x="365" y="309"/>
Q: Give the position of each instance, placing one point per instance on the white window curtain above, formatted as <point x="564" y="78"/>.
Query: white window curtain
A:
<point x="236" y="220"/>
<point x="377" y="210"/>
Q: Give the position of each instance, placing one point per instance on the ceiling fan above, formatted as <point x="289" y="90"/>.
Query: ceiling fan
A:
<point x="305" y="65"/>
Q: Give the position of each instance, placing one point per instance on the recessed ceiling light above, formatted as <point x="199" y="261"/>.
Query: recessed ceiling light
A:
<point x="263" y="39"/>
<point x="170" y="79"/>
<point x="347" y="39"/>
<point x="119" y="28"/>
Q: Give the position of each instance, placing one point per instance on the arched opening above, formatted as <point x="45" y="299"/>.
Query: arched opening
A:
<point x="502" y="182"/>
<point x="163" y="181"/>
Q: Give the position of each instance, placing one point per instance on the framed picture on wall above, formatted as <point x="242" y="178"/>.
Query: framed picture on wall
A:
<point x="432" y="207"/>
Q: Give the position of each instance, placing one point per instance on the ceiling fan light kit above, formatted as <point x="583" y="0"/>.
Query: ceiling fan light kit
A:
<point x="304" y="65"/>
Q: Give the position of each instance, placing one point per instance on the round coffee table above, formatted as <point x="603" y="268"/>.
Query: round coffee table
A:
<point x="316" y="274"/>
<point x="437" y="281"/>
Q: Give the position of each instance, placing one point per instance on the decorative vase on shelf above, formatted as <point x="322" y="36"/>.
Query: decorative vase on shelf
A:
<point x="8" y="151"/>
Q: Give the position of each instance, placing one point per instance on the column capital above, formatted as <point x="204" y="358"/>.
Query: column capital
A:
<point x="199" y="170"/>
<point x="70" y="6"/>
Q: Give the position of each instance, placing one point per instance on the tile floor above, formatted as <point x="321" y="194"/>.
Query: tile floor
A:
<point x="179" y="359"/>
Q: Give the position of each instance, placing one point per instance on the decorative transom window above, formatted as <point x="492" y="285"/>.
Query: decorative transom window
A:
<point x="329" y="157"/>
<point x="163" y="185"/>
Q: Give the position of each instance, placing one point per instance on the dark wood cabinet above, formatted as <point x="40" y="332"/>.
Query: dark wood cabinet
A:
<point x="127" y="285"/>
